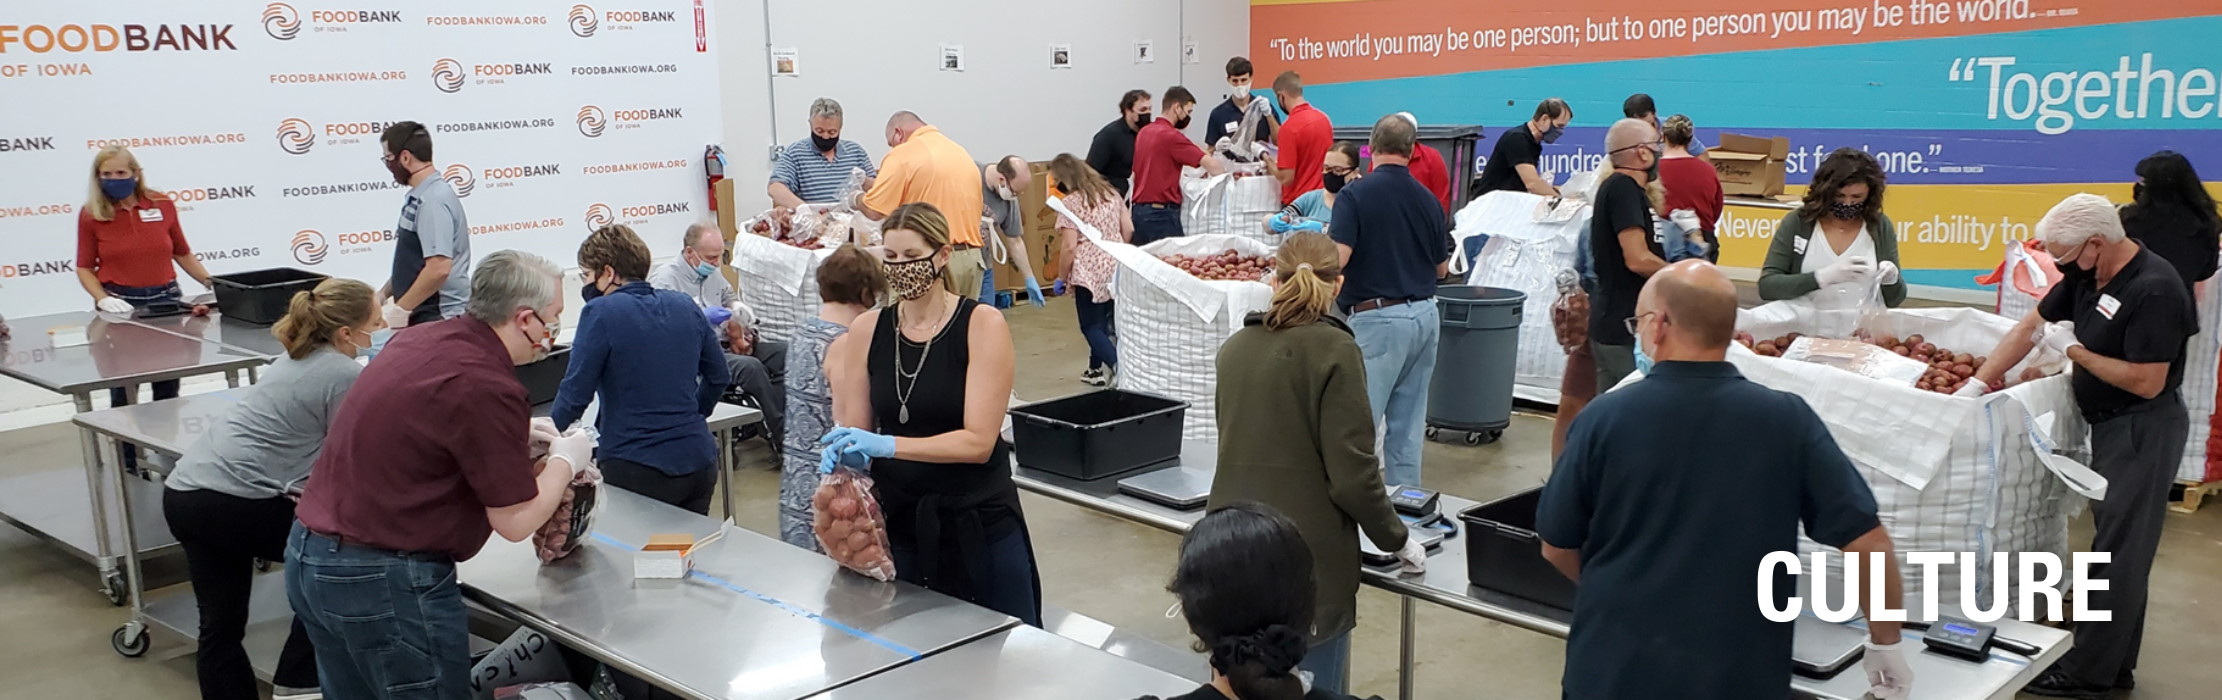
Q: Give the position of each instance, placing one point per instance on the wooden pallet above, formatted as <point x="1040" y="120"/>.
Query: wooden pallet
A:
<point x="2188" y="495"/>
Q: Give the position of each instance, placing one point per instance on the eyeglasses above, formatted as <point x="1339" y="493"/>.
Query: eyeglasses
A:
<point x="1632" y="321"/>
<point x="1338" y="170"/>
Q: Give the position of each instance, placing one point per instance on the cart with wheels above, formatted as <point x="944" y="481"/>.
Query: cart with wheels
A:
<point x="1474" y="362"/>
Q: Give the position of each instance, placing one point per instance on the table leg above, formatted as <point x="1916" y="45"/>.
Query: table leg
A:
<point x="726" y="461"/>
<point x="1405" y="642"/>
<point x="231" y="377"/>
<point x="254" y="375"/>
<point x="104" y="553"/>
<point x="133" y="582"/>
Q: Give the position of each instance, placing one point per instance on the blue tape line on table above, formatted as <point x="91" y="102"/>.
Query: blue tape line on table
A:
<point x="790" y="608"/>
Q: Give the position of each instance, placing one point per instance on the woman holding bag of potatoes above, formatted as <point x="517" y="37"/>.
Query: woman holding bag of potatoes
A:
<point x="920" y="389"/>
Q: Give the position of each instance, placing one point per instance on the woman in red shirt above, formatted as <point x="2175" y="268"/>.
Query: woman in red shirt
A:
<point x="1690" y="181"/>
<point x="127" y="241"/>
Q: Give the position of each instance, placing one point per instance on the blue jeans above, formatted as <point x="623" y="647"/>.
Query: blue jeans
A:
<point x="1329" y="663"/>
<point x="1156" y="222"/>
<point x="386" y="625"/>
<point x="1399" y="345"/>
<point x="1095" y="325"/>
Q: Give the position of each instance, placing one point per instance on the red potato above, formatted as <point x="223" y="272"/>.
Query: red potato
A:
<point x="1914" y="339"/>
<point x="1901" y="350"/>
<point x="859" y="540"/>
<point x="843" y="508"/>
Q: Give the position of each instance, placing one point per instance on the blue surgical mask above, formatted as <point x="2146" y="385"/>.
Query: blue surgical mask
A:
<point x="378" y="340"/>
<point x="705" y="269"/>
<point x="1643" y="361"/>
<point x="119" y="188"/>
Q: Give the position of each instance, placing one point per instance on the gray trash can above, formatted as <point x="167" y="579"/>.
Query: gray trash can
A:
<point x="1472" y="391"/>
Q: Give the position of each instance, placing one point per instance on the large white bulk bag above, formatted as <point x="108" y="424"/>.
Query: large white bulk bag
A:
<point x="1171" y="324"/>
<point x="1525" y="252"/>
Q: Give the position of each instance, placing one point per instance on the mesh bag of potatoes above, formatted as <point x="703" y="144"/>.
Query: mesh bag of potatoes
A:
<point x="566" y="529"/>
<point x="850" y="525"/>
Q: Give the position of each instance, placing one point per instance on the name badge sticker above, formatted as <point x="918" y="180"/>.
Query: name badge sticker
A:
<point x="150" y="215"/>
<point x="2108" y="305"/>
<point x="1798" y="244"/>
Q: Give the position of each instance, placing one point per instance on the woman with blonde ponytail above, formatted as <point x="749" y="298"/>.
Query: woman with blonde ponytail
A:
<point x="1296" y="434"/>
<point x="230" y="499"/>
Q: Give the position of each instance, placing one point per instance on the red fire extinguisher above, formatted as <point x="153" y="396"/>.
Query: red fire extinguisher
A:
<point x="713" y="161"/>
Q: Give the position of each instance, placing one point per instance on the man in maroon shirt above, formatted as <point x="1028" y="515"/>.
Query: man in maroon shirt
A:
<point x="1160" y="151"/>
<point x="1305" y="136"/>
<point x="424" y="459"/>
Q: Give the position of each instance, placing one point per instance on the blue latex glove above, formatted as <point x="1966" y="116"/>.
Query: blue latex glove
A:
<point x="1282" y="225"/>
<point x="852" y="446"/>
<point x="1034" y="292"/>
<point x="830" y="457"/>
<point x="717" y="315"/>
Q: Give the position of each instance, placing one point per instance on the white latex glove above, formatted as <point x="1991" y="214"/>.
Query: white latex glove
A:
<point x="1413" y="556"/>
<point x="1889" y="270"/>
<point x="544" y="431"/>
<point x="397" y="318"/>
<point x="575" y="449"/>
<point x="2059" y="338"/>
<point x="113" y="305"/>
<point x="1973" y="389"/>
<point x="1844" y="270"/>
<point x="1888" y="676"/>
<point x="1686" y="219"/>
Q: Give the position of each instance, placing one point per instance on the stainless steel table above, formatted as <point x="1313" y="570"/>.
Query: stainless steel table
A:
<point x="119" y="353"/>
<point x="1445" y="584"/>
<point x="1020" y="663"/>
<point x="758" y="618"/>
<point x="169" y="427"/>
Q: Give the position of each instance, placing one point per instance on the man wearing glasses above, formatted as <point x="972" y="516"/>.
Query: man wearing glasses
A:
<point x="431" y="277"/>
<point x="1622" y="244"/>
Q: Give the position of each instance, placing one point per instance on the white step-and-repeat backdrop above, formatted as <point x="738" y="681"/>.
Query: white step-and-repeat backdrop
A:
<point x="262" y="121"/>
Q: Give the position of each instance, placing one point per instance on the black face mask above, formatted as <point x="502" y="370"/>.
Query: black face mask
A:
<point x="2069" y="270"/>
<point x="1333" y="182"/>
<point x="2137" y="192"/>
<point x="1141" y="120"/>
<point x="590" y="292"/>
<point x="824" y="144"/>
<point x="1183" y="123"/>
<point x="400" y="174"/>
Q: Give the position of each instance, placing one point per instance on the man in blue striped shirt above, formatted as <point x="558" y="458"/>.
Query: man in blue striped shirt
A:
<point x="811" y="170"/>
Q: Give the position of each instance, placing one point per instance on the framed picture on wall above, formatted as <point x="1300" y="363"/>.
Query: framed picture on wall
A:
<point x="1060" y="56"/>
<point x="952" y="57"/>
<point x="1189" y="54"/>
<point x="785" y="63"/>
<point x="1145" y="51"/>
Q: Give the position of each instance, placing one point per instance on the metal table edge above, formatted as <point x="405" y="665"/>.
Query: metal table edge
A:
<point x="574" y="640"/>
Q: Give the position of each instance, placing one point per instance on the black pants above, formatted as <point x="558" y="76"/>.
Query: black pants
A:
<point x="690" y="491"/>
<point x="2138" y="454"/>
<point x="140" y="297"/>
<point x="222" y="536"/>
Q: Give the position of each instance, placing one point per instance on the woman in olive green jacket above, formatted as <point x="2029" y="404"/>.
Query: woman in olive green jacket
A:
<point x="1296" y="433"/>
<point x="1856" y="243"/>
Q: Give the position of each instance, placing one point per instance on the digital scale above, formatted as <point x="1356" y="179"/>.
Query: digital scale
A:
<point x="1183" y="488"/>
<point x="1820" y="649"/>
<point x="1425" y="527"/>
<point x="1413" y="500"/>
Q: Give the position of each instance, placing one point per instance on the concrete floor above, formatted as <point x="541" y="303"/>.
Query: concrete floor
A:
<point x="54" y="625"/>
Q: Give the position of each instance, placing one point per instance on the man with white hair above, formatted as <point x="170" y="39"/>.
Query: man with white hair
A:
<point x="2131" y="318"/>
<point x="424" y="459"/>
<point x="812" y="169"/>
<point x="760" y="368"/>
<point x="1623" y="247"/>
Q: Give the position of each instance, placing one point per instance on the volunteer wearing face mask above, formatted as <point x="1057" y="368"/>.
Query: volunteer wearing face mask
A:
<point x="1295" y="434"/>
<point x="426" y="457"/>
<point x="924" y="165"/>
<point x="128" y="239"/>
<point x="1622" y="248"/>
<point x="1112" y="151"/>
<point x="229" y="499"/>
<point x="1159" y="154"/>
<point x="432" y="242"/>
<point x="812" y="169"/>
<point x="1666" y="585"/>
<point x="1304" y="138"/>
<point x="1512" y="162"/>
<point x="656" y="368"/>
<point x="2131" y="317"/>
<point x="1000" y="184"/>
<point x="1313" y="210"/>
<point x="920" y="389"/>
<point x="1227" y="117"/>
<point x="761" y="373"/>
<point x="1858" y="245"/>
<point x="2173" y="215"/>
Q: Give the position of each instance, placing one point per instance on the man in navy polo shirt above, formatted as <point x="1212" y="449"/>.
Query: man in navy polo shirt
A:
<point x="1394" y="247"/>
<point x="1664" y="522"/>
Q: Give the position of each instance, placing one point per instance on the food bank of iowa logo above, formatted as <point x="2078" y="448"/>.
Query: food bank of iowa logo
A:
<point x="447" y="75"/>
<point x="281" y="21"/>
<point x="583" y="23"/>
<point x="598" y="216"/>
<point x="592" y="121"/>
<point x="308" y="247"/>
<point x="295" y="136"/>
<point x="460" y="177"/>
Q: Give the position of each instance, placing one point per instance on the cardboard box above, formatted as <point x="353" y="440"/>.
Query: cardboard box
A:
<point x="1750" y="166"/>
<point x="729" y="224"/>
<point x="1041" y="232"/>
<point x="668" y="556"/>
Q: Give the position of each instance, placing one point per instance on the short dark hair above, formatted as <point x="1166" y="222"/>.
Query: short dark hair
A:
<point x="409" y="137"/>
<point x="1638" y="105"/>
<point x="1176" y="96"/>
<point x="619" y="248"/>
<point x="1392" y="135"/>
<point x="1288" y="83"/>
<point x="1126" y="102"/>
<point x="1552" y="107"/>
<point x="1003" y="166"/>
<point x="1238" y="66"/>
<point x="851" y="276"/>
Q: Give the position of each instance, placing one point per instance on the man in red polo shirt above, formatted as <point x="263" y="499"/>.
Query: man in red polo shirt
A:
<point x="426" y="457"/>
<point x="1304" y="139"/>
<point x="1160" y="151"/>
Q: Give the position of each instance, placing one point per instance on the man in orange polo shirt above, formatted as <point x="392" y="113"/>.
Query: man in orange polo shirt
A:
<point x="926" y="166"/>
<point x="1305" y="136"/>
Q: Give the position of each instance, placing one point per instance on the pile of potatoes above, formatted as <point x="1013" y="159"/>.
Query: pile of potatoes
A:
<point x="850" y="526"/>
<point x="1228" y="266"/>
<point x="1948" y="370"/>
<point x="567" y="528"/>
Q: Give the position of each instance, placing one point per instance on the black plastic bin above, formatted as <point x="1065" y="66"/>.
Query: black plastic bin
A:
<point x="542" y="376"/>
<point x="1457" y="143"/>
<point x="1503" y="553"/>
<point x="1097" y="434"/>
<point x="260" y="297"/>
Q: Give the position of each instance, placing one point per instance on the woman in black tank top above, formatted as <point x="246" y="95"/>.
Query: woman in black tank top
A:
<point x="922" y="399"/>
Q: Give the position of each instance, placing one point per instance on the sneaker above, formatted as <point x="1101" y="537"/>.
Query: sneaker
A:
<point x="2056" y="683"/>
<point x="1095" y="376"/>
<point x="2125" y="681"/>
<point x="279" y="692"/>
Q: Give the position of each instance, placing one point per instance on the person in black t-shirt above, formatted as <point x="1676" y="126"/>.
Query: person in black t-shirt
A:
<point x="1244" y="583"/>
<point x="2131" y="319"/>
<point x="2175" y="217"/>
<point x="1512" y="162"/>
<point x="1623" y="246"/>
<point x="1112" y="151"/>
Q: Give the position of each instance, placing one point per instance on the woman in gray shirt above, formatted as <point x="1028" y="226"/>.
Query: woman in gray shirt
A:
<point x="230" y="499"/>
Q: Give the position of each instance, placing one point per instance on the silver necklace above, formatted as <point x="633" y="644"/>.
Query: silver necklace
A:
<point x="903" y="391"/>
